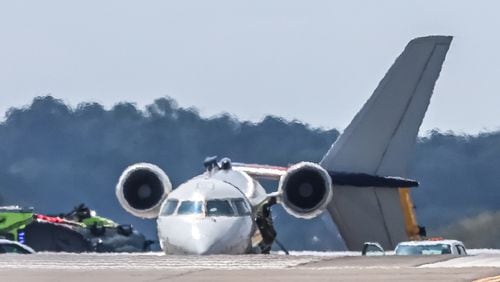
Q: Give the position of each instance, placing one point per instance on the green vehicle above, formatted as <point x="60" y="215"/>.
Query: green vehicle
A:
<point x="13" y="220"/>
<point x="80" y="230"/>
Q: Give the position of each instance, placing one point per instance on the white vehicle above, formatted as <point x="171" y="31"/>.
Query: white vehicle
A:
<point x="226" y="211"/>
<point x="13" y="247"/>
<point x="431" y="247"/>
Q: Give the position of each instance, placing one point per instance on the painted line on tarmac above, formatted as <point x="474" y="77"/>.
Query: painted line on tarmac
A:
<point x="354" y="267"/>
<point x="482" y="260"/>
<point x="103" y="262"/>
<point x="489" y="279"/>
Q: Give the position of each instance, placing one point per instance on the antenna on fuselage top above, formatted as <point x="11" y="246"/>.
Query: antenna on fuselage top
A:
<point x="210" y="163"/>
<point x="225" y="164"/>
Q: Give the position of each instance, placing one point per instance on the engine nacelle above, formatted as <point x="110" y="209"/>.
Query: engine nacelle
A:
<point x="305" y="190"/>
<point x="142" y="188"/>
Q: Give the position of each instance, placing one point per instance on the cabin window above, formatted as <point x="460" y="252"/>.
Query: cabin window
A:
<point x="190" y="207"/>
<point x="241" y="207"/>
<point x="464" y="252"/>
<point x="219" y="208"/>
<point x="169" y="207"/>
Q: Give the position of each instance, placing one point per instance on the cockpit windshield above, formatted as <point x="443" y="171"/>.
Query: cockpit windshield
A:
<point x="213" y="207"/>
<point x="241" y="207"/>
<point x="190" y="207"/>
<point x="219" y="208"/>
<point x="169" y="207"/>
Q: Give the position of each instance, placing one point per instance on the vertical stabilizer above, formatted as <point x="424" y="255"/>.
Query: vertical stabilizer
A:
<point x="380" y="140"/>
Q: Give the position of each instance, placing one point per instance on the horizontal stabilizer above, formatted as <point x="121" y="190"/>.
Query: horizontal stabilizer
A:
<point x="368" y="180"/>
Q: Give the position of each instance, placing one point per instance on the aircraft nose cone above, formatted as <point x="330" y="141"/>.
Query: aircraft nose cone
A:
<point x="210" y="239"/>
<point x="204" y="246"/>
<point x="229" y="235"/>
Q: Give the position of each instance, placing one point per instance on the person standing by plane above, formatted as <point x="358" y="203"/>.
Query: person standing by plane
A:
<point x="264" y="222"/>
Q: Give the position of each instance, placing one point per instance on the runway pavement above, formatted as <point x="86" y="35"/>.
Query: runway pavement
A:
<point x="318" y="267"/>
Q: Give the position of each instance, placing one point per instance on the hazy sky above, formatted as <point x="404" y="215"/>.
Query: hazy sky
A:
<point x="316" y="61"/>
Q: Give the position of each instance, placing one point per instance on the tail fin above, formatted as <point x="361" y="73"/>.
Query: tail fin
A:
<point x="380" y="140"/>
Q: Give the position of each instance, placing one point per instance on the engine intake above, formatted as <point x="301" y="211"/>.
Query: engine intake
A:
<point x="142" y="188"/>
<point x="305" y="189"/>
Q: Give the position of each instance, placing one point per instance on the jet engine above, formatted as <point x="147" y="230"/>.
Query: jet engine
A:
<point x="305" y="190"/>
<point x="142" y="188"/>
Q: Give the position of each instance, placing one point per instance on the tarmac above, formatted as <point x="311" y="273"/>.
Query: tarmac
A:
<point x="319" y="267"/>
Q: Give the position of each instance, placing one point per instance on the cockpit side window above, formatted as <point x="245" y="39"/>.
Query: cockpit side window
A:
<point x="190" y="207"/>
<point x="219" y="208"/>
<point x="169" y="207"/>
<point x="241" y="207"/>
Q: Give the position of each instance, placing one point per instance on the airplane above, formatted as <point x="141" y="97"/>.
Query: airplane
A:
<point x="225" y="210"/>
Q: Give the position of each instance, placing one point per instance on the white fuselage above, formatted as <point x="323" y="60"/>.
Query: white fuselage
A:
<point x="210" y="214"/>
